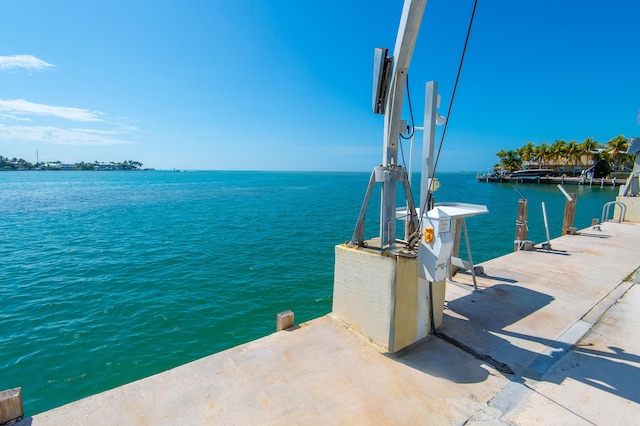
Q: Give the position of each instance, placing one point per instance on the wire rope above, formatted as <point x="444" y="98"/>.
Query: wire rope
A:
<point x="427" y="200"/>
<point x="413" y="127"/>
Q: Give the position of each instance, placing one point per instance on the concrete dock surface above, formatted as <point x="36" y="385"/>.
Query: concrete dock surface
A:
<point x="550" y="337"/>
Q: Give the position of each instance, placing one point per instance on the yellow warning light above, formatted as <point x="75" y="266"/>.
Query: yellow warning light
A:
<point x="428" y="234"/>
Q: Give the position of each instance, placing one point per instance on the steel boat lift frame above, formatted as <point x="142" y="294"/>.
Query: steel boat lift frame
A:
<point x="390" y="78"/>
<point x="389" y="82"/>
<point x="395" y="296"/>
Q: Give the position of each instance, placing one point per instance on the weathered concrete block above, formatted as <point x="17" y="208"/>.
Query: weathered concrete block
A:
<point x="11" y="405"/>
<point x="382" y="298"/>
<point x="363" y="292"/>
<point x="284" y="320"/>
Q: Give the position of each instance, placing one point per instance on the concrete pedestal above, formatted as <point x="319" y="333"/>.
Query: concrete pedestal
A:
<point x="382" y="298"/>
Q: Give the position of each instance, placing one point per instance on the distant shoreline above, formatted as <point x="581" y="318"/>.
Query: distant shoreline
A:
<point x="18" y="164"/>
<point x="76" y="170"/>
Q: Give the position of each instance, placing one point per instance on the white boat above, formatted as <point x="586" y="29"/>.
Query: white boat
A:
<point x="531" y="173"/>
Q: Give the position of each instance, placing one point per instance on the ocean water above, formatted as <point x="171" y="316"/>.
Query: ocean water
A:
<point x="108" y="277"/>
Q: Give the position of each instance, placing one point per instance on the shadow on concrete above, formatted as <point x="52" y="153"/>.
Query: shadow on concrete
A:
<point x="471" y="334"/>
<point x="477" y="323"/>
<point x="435" y="358"/>
<point x="485" y="276"/>
<point x="513" y="302"/>
<point x="586" y="234"/>
<point x="609" y="371"/>
<point x="552" y="251"/>
<point x="606" y="371"/>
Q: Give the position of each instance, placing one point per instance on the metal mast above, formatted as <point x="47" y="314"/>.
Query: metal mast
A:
<point x="392" y="173"/>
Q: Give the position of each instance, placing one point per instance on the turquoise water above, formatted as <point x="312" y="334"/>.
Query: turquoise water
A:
<point x="108" y="277"/>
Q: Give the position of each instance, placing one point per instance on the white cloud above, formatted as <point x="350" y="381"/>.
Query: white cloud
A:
<point x="56" y="135"/>
<point x="98" y="132"/>
<point x="13" y="117"/>
<point x="19" y="107"/>
<point x="33" y="131"/>
<point x="28" y="62"/>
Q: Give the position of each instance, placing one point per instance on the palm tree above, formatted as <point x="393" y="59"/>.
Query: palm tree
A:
<point x="616" y="147"/>
<point x="501" y="155"/>
<point x="542" y="154"/>
<point x="511" y="161"/>
<point x="573" y="151"/>
<point x="557" y="150"/>
<point x="589" y="146"/>
<point x="527" y="152"/>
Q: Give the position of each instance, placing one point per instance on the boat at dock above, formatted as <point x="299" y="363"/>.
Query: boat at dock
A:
<point x="547" y="176"/>
<point x="535" y="173"/>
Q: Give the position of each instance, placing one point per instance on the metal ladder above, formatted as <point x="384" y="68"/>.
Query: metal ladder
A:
<point x="607" y="208"/>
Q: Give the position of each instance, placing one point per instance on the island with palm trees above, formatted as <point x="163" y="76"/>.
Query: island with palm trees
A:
<point x="561" y="161"/>
<point x="19" y="164"/>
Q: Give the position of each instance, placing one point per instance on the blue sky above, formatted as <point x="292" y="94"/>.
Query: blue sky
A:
<point x="286" y="85"/>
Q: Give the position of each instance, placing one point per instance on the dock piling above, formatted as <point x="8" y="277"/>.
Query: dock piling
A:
<point x="521" y="225"/>
<point x="569" y="213"/>
<point x="11" y="407"/>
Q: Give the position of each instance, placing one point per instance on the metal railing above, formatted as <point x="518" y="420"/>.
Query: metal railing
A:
<point x="607" y="208"/>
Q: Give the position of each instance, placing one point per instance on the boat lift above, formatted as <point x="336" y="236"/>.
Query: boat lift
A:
<point x="390" y="77"/>
<point x="392" y="291"/>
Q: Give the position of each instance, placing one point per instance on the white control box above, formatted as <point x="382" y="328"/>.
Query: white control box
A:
<point x="435" y="245"/>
